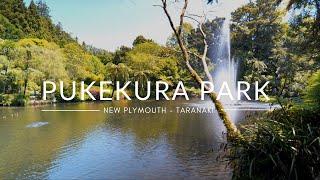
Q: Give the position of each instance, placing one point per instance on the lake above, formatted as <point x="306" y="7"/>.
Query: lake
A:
<point x="95" y="145"/>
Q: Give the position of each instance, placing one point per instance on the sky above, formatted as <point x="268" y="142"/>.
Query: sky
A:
<point x="109" y="24"/>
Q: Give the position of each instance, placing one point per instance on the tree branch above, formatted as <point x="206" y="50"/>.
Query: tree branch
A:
<point x="184" y="9"/>
<point x="164" y="7"/>
<point x="205" y="43"/>
<point x="205" y="52"/>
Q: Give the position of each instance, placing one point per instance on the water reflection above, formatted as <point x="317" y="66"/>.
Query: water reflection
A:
<point x="97" y="145"/>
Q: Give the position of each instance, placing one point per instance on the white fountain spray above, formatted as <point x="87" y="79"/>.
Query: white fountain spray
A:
<point x="226" y="68"/>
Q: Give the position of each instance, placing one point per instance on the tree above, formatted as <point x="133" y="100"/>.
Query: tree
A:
<point x="154" y="61"/>
<point x="15" y="11"/>
<point x="306" y="25"/>
<point x="120" y="55"/>
<point x="140" y="40"/>
<point x="41" y="61"/>
<point x="10" y="54"/>
<point x="31" y="21"/>
<point x="233" y="132"/>
<point x="117" y="72"/>
<point x="4" y="66"/>
<point x="43" y="9"/>
<point x="308" y="5"/>
<point x="259" y="39"/>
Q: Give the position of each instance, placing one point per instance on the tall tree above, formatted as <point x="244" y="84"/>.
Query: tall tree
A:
<point x="258" y="34"/>
<point x="43" y="9"/>
<point x="140" y="39"/>
<point x="233" y="132"/>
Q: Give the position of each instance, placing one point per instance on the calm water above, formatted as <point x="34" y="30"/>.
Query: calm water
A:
<point x="95" y="145"/>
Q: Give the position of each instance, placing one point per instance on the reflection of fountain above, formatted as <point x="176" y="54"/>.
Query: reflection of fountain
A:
<point x="225" y="67"/>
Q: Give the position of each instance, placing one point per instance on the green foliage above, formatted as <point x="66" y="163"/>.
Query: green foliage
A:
<point x="20" y="100"/>
<point x="18" y="20"/>
<point x="120" y="72"/>
<point x="258" y="35"/>
<point x="146" y="61"/>
<point x="283" y="144"/>
<point x="13" y="100"/>
<point x="120" y="55"/>
<point x="8" y="30"/>
<point x="37" y="42"/>
<point x="6" y="99"/>
<point x="140" y="40"/>
<point x="104" y="56"/>
<point x="313" y="89"/>
<point x="271" y="50"/>
<point x="25" y="64"/>
<point x="172" y="40"/>
<point x="82" y="65"/>
<point x="157" y="62"/>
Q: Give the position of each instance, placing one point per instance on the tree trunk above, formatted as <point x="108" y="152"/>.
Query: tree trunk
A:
<point x="5" y="82"/>
<point x="28" y="59"/>
<point x="25" y="86"/>
<point x="233" y="132"/>
<point x="112" y="92"/>
<point x="113" y="88"/>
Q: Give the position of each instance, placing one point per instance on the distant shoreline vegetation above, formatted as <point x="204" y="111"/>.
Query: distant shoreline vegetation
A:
<point x="143" y="91"/>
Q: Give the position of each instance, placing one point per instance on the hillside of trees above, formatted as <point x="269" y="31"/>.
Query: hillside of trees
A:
<point x="34" y="49"/>
<point x="18" y="21"/>
<point x="267" y="48"/>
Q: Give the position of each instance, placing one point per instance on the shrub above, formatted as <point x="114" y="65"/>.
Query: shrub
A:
<point x="284" y="144"/>
<point x="13" y="100"/>
<point x="6" y="99"/>
<point x="19" y="100"/>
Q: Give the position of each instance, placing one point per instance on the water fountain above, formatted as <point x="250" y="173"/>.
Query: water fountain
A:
<point x="225" y="69"/>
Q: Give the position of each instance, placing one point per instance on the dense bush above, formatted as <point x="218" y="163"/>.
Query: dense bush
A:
<point x="283" y="144"/>
<point x="20" y="100"/>
<point x="6" y="99"/>
<point x="13" y="100"/>
<point x="280" y="145"/>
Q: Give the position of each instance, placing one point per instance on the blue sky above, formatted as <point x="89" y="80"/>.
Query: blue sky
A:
<point x="108" y="24"/>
